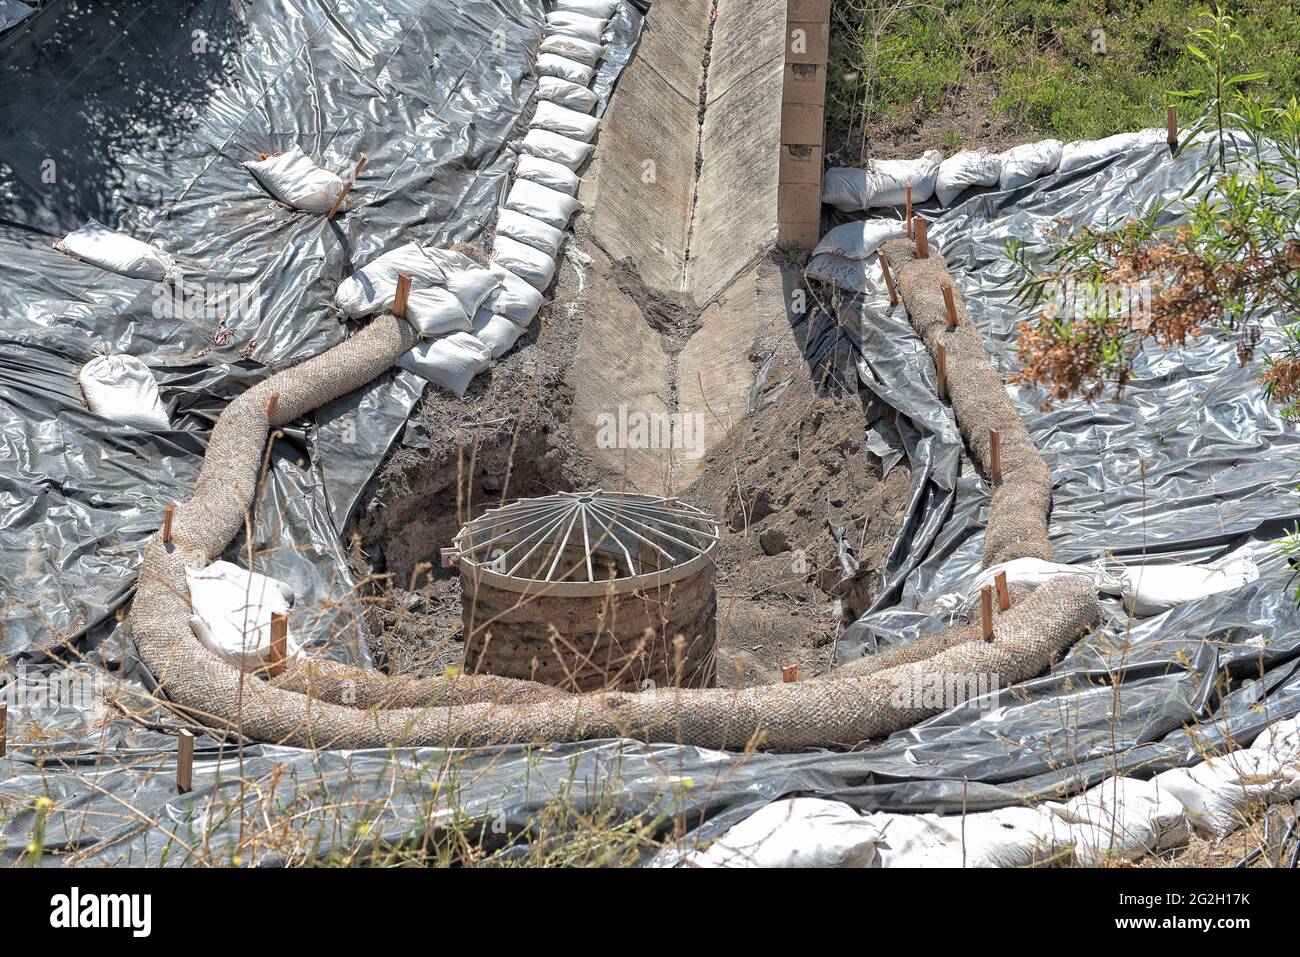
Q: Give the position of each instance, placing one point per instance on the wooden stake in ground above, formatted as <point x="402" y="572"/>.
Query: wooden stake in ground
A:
<point x="986" y="612"/>
<point x="1004" y="596"/>
<point x="361" y="164"/>
<point x="402" y="295"/>
<point x="790" y="674"/>
<point x="889" y="281"/>
<point x="909" y="209"/>
<point x="167" y="523"/>
<point x="995" y="456"/>
<point x="279" y="644"/>
<point x="941" y="366"/>
<point x="4" y="729"/>
<point x="185" y="762"/>
<point x="950" y="304"/>
<point x="1171" y="126"/>
<point x="922" y="244"/>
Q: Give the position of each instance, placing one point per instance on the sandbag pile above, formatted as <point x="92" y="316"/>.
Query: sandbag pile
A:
<point x="472" y="315"/>
<point x="1122" y="818"/>
<point x="883" y="183"/>
<point x="846" y="256"/>
<point x="1119" y="819"/>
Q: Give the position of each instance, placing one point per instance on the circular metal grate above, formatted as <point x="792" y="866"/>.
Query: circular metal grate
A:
<point x="584" y="543"/>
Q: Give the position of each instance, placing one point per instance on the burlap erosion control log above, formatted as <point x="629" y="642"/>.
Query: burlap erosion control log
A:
<point x="321" y="704"/>
<point x="1017" y="523"/>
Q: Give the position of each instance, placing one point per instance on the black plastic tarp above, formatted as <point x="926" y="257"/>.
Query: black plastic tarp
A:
<point x="1190" y="464"/>
<point x="142" y="119"/>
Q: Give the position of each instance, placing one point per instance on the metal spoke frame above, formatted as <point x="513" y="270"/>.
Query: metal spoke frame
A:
<point x="646" y="540"/>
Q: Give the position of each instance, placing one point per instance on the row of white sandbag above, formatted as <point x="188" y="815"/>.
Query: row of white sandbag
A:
<point x="1121" y="818"/>
<point x="532" y="222"/>
<point x="884" y="182"/>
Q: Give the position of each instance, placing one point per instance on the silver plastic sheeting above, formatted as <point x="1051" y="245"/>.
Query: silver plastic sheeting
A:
<point x="1135" y="698"/>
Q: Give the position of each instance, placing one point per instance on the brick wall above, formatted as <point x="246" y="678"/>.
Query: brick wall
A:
<point x="803" y="114"/>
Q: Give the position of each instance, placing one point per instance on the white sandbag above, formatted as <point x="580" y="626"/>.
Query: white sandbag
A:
<point x="1025" y="163"/>
<point x="882" y="183"/>
<point x="547" y="173"/>
<point x="1282" y="740"/>
<point x="888" y="179"/>
<point x="551" y="64"/>
<point x="575" y="48"/>
<point x="566" y="122"/>
<point x="566" y="93"/>
<point x="232" y="613"/>
<point x="1122" y="819"/>
<point x="854" y="275"/>
<point x="1007" y="837"/>
<point x="528" y="230"/>
<point x="596" y="9"/>
<point x="371" y="288"/>
<point x="1147" y="589"/>
<point x="465" y="279"/>
<point x="576" y="25"/>
<point x="117" y="252"/>
<point x="1223" y="793"/>
<point x="963" y="170"/>
<point x="556" y="148"/>
<point x="796" y="832"/>
<point x="515" y="298"/>
<point x="549" y="205"/>
<point x="859" y="240"/>
<point x="1152" y="589"/>
<point x="436" y="311"/>
<point x="845" y="188"/>
<point x="496" y="332"/>
<point x="537" y="267"/>
<point x="1080" y="153"/>
<point x="451" y="362"/>
<point x="293" y="179"/>
<point x="121" y="388"/>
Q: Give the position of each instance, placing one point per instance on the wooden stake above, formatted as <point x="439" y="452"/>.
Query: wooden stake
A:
<point x="1171" y="126"/>
<point x="950" y="304"/>
<point x="167" y="523"/>
<point x="402" y="295"/>
<point x="909" y="209"/>
<point x="361" y="164"/>
<point x="185" y="763"/>
<point x="986" y="612"/>
<point x="279" y="644"/>
<point x="922" y="245"/>
<point x="889" y="280"/>
<point x="790" y="674"/>
<point x="1004" y="596"/>
<point x="4" y="729"/>
<point x="995" y="455"/>
<point x="272" y="404"/>
<point x="941" y="365"/>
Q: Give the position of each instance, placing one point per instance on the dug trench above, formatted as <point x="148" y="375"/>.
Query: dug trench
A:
<point x="792" y="482"/>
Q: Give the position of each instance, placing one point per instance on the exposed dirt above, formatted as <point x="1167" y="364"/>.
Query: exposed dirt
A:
<point x="780" y="482"/>
<point x="965" y="122"/>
